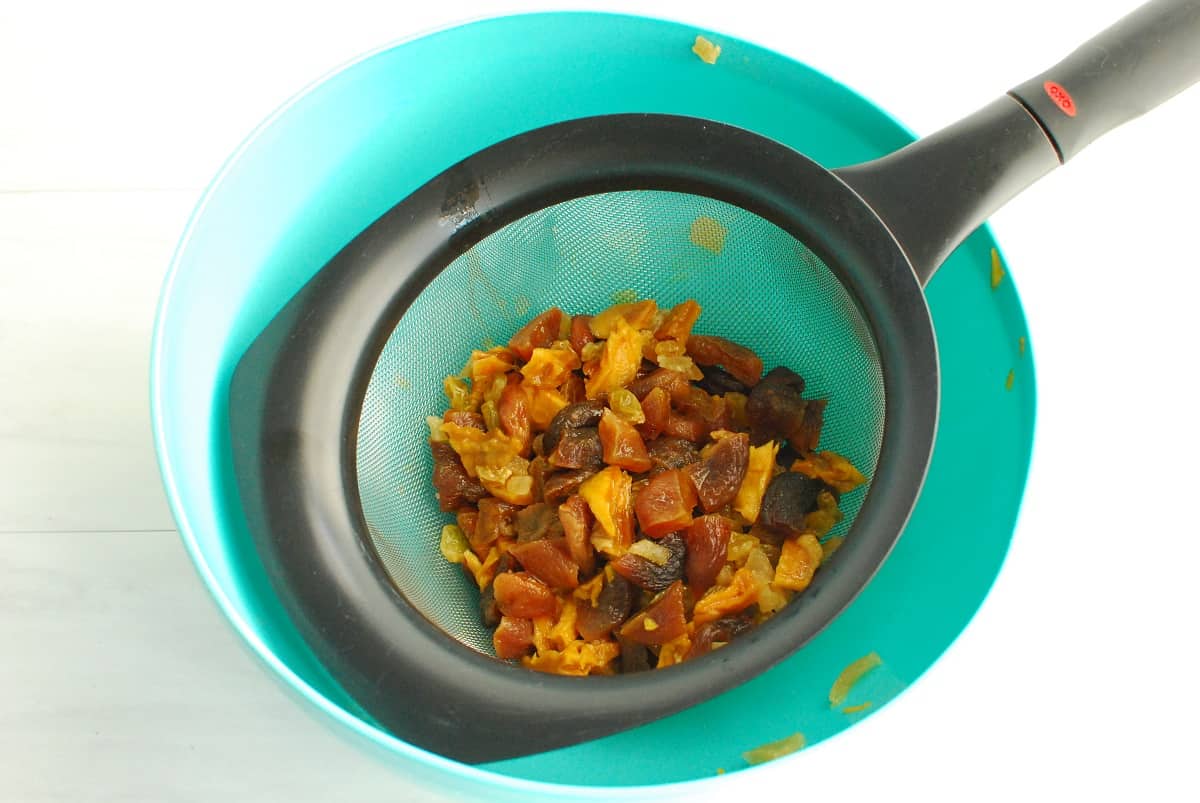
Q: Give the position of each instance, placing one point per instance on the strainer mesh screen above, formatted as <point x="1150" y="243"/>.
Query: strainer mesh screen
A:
<point x="763" y="289"/>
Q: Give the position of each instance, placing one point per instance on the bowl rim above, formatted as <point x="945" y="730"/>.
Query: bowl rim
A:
<point x="384" y="743"/>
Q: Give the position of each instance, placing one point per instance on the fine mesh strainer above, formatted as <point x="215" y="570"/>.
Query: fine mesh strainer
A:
<point x="763" y="287"/>
<point x="821" y="271"/>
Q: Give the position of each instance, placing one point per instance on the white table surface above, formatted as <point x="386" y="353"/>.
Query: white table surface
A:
<point x="120" y="681"/>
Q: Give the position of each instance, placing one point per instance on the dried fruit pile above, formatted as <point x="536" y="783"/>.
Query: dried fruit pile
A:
<point x="628" y="494"/>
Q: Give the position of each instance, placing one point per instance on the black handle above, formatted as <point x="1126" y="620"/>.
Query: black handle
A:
<point x="1144" y="59"/>
<point x="935" y="192"/>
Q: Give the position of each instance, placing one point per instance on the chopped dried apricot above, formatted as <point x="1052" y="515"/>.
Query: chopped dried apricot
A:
<point x="538" y="333"/>
<point x="619" y="360"/>
<point x="736" y="359"/>
<point x="520" y="594"/>
<point x="635" y="314"/>
<point x="740" y="594"/>
<point x="760" y="467"/>
<point x="607" y="494"/>
<point x="799" y="558"/>
<point x="832" y="469"/>
<point x="622" y="445"/>
<point x="661" y="621"/>
<point x="679" y="322"/>
<point x="666" y="504"/>
<point x="549" y="368"/>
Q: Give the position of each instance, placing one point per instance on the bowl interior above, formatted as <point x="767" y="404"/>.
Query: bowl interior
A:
<point x="345" y="150"/>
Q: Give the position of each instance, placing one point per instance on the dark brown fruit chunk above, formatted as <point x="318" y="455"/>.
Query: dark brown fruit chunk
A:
<point x="573" y="416"/>
<point x="667" y="452"/>
<point x="489" y="612"/>
<point x="613" y="606"/>
<point x="496" y="519"/>
<point x="809" y="434"/>
<point x="578" y="448"/>
<point x="722" y="630"/>
<point x="576" y="519"/>
<point x="648" y="574"/>
<point x="537" y="521"/>
<point x="789" y="498"/>
<point x="561" y="484"/>
<point x="776" y="407"/>
<point x="455" y="488"/>
<point x="718" y="381"/>
<point x="718" y="476"/>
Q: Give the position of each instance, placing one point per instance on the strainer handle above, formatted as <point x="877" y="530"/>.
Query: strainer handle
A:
<point x="935" y="192"/>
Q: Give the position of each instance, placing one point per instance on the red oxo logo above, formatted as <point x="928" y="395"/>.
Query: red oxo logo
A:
<point x="1061" y="98"/>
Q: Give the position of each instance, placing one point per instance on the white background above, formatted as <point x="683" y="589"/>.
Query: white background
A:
<point x="118" y="679"/>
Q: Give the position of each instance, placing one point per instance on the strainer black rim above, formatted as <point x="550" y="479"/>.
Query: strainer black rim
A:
<point x="297" y="394"/>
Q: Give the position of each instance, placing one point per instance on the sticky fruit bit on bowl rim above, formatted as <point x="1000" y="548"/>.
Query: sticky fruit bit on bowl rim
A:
<point x="706" y="50"/>
<point x="851" y="675"/>
<point x="619" y="508"/>
<point x="997" y="269"/>
<point x="773" y="750"/>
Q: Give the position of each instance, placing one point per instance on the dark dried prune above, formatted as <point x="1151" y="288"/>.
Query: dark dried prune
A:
<point x="789" y="498"/>
<point x="667" y="453"/>
<point x="496" y="519"/>
<point x="722" y="630"/>
<point x="718" y="476"/>
<point x="775" y="407"/>
<point x="718" y="381"/>
<point x="648" y="574"/>
<point x="455" y="488"/>
<point x="537" y="521"/>
<point x="578" y="448"/>
<point x="488" y="610"/>
<point x="634" y="657"/>
<point x="613" y="606"/>
<point x="808" y="435"/>
<point x="558" y="486"/>
<point x="573" y="416"/>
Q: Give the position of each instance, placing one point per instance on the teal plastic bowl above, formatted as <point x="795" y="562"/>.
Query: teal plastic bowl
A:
<point x="341" y="153"/>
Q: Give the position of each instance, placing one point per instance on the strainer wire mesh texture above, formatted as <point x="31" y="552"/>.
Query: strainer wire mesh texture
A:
<point x="757" y="285"/>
